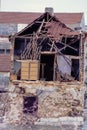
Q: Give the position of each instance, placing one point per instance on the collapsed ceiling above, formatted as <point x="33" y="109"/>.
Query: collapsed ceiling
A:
<point x="46" y="33"/>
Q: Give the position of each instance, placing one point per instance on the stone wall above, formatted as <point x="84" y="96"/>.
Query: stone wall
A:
<point x="14" y="113"/>
<point x="55" y="100"/>
<point x="65" y="101"/>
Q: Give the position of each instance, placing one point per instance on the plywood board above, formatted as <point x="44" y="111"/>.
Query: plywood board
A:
<point x="33" y="73"/>
<point x="34" y="65"/>
<point x="33" y="69"/>
<point x="24" y="77"/>
<point x="29" y="70"/>
<point x="24" y="69"/>
<point x="33" y="78"/>
<point x="25" y="64"/>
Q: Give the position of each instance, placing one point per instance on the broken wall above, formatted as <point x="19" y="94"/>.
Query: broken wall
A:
<point x="65" y="100"/>
<point x="54" y="100"/>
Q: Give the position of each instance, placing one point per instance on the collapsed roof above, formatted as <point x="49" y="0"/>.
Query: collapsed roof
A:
<point x="45" y="30"/>
<point x="51" y="23"/>
<point x="47" y="34"/>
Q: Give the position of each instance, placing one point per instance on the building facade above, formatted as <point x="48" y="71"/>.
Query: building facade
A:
<point x="48" y="65"/>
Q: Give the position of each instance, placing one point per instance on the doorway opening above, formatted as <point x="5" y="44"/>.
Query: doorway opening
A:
<point x="47" y="67"/>
<point x="75" y="69"/>
<point x="30" y="105"/>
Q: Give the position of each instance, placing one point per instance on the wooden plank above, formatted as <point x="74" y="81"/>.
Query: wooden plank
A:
<point x="52" y="46"/>
<point x="33" y="65"/>
<point x="29" y="70"/>
<point x="48" y="52"/>
<point x="24" y="69"/>
<point x="26" y="74"/>
<point x="24" y="78"/>
<point x="25" y="64"/>
<point x="33" y="73"/>
<point x="33" y="69"/>
<point x="33" y="78"/>
<point x="40" y="26"/>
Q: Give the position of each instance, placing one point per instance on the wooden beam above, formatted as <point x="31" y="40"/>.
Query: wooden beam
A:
<point x="23" y="37"/>
<point x="40" y="22"/>
<point x="67" y="46"/>
<point x="75" y="57"/>
<point x="38" y="31"/>
<point x="52" y="46"/>
<point x="58" y="51"/>
<point x="48" y="52"/>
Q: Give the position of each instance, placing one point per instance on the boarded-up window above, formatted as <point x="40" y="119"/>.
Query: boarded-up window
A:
<point x="29" y="70"/>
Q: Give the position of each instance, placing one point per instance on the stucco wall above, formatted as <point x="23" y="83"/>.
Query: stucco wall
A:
<point x="64" y="64"/>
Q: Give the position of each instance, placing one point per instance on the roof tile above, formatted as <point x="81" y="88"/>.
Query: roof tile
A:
<point x="28" y="17"/>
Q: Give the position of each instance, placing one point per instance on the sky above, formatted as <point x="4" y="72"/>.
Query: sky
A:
<point x="39" y="6"/>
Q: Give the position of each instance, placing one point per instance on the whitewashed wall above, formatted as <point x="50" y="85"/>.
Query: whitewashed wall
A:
<point x="21" y="26"/>
<point x="63" y="65"/>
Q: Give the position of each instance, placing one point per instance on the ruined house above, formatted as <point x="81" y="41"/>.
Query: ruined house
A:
<point x="12" y="22"/>
<point x="48" y="50"/>
<point x="47" y="72"/>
